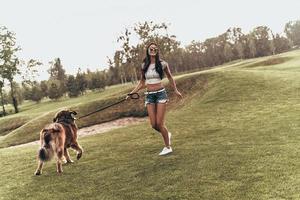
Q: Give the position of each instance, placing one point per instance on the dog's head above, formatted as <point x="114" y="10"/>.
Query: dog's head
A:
<point x="65" y="116"/>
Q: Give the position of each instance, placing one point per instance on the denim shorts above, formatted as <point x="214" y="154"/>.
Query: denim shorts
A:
<point x="159" y="96"/>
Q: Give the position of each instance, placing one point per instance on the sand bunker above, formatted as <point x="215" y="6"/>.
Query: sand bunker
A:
<point x="98" y="128"/>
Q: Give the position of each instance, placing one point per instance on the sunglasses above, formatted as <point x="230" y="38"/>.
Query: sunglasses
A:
<point x="153" y="49"/>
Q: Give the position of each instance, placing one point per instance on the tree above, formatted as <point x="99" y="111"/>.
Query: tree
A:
<point x="30" y="71"/>
<point x="252" y="47"/>
<point x="2" y="97"/>
<point x="115" y="73"/>
<point x="228" y="52"/>
<point x="262" y="38"/>
<point x="193" y="56"/>
<point x="18" y="93"/>
<point x="72" y="87"/>
<point x="98" y="80"/>
<point x="57" y="72"/>
<point x="44" y="88"/>
<point x="81" y="81"/>
<point x="9" y="66"/>
<point x="54" y="91"/>
<point x="237" y="39"/>
<point x="26" y="90"/>
<point x="127" y="53"/>
<point x="239" y="49"/>
<point x="211" y="50"/>
<point x="292" y="31"/>
<point x="281" y="44"/>
<point x="36" y="94"/>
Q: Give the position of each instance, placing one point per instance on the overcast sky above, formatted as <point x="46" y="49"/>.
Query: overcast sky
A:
<point x="83" y="33"/>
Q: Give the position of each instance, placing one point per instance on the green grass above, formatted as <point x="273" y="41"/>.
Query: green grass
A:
<point x="235" y="136"/>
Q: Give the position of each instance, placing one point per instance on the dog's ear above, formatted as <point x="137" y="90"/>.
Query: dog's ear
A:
<point x="55" y="117"/>
<point x="74" y="112"/>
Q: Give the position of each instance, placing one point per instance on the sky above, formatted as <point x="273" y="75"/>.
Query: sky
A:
<point x="84" y="33"/>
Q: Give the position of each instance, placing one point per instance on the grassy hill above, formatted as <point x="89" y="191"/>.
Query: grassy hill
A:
<point x="235" y="136"/>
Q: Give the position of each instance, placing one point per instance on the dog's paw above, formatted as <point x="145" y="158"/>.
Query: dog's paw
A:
<point x="59" y="172"/>
<point x="69" y="161"/>
<point x="37" y="173"/>
<point x="79" y="155"/>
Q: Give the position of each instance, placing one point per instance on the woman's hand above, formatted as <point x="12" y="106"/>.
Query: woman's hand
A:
<point x="128" y="96"/>
<point x="178" y="94"/>
<point x="132" y="95"/>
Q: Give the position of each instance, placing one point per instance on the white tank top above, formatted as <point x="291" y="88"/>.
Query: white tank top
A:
<point x="151" y="75"/>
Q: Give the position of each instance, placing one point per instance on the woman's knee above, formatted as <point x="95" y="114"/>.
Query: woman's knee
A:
<point x="154" y="126"/>
<point x="160" y="126"/>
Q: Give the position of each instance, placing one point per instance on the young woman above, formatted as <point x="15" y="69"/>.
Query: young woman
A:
<point x="153" y="69"/>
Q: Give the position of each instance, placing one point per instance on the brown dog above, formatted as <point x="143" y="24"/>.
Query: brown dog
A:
<point x="56" y="138"/>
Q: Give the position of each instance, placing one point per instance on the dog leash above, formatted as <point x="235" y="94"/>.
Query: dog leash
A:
<point x="132" y="96"/>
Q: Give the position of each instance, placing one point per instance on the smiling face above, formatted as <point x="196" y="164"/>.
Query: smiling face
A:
<point x="152" y="50"/>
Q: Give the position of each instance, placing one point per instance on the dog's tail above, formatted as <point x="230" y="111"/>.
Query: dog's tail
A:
<point x="46" y="151"/>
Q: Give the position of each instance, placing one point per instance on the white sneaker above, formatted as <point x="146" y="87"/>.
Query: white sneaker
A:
<point x="170" y="135"/>
<point x="165" y="151"/>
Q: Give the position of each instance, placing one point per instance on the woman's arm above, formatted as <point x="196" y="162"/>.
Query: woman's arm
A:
<point x="171" y="80"/>
<point x="140" y="85"/>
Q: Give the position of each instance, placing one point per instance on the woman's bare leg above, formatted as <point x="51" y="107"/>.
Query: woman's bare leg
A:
<point x="151" y="108"/>
<point x="160" y="118"/>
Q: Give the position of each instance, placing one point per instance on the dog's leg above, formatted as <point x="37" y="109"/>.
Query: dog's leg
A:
<point x="59" y="166"/>
<point x="78" y="148"/>
<point x="60" y="153"/>
<point x="39" y="169"/>
<point x="67" y="156"/>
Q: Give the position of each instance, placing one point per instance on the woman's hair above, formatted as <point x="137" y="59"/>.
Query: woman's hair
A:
<point x="147" y="61"/>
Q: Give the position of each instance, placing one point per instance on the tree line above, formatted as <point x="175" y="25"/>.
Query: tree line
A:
<point x="231" y="45"/>
<point x="125" y="65"/>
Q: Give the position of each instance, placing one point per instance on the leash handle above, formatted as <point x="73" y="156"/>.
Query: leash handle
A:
<point x="134" y="95"/>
